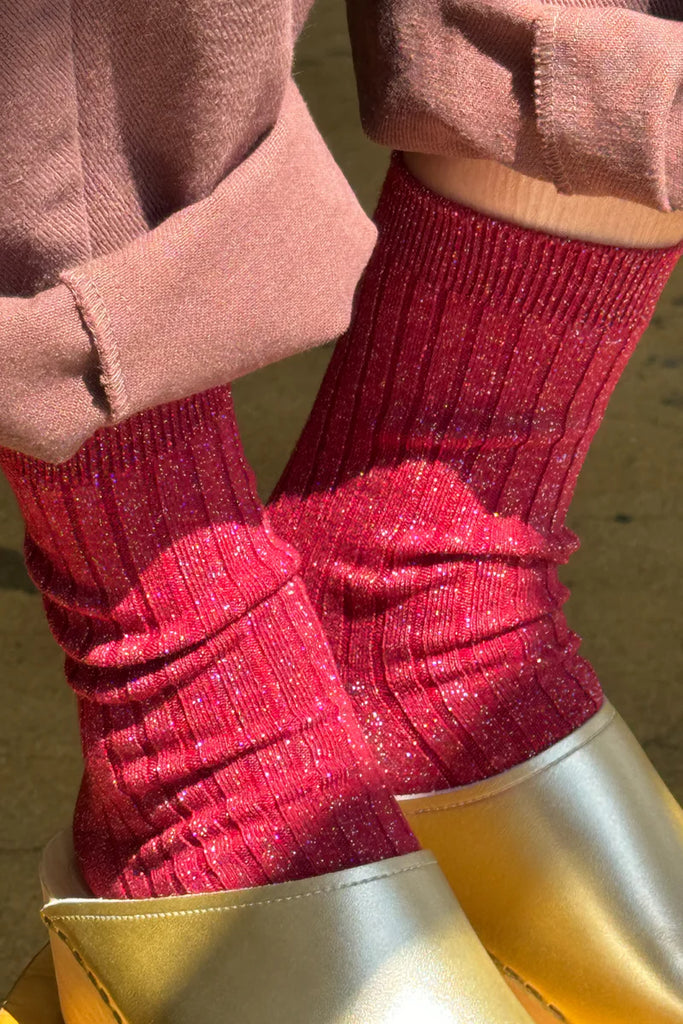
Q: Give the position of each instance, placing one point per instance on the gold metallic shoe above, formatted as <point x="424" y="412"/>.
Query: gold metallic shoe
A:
<point x="34" y="999"/>
<point x="570" y="869"/>
<point x="381" y="944"/>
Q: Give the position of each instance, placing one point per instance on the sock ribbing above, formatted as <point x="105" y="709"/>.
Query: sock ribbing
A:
<point x="429" y="491"/>
<point x="220" y="749"/>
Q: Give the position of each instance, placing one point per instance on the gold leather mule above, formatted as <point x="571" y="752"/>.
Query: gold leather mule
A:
<point x="385" y="943"/>
<point x="34" y="998"/>
<point x="570" y="869"/>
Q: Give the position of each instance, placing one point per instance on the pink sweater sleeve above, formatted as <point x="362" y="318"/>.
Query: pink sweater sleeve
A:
<point x="586" y="94"/>
<point x="171" y="218"/>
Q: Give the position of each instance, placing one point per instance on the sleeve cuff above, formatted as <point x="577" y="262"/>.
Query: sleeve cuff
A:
<point x="263" y="267"/>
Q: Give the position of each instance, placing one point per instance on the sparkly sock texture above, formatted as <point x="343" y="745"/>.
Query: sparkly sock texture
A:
<point x="220" y="748"/>
<point x="429" y="491"/>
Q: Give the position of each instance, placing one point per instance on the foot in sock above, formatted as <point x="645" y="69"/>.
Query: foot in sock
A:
<point x="429" y="491"/>
<point x="220" y="749"/>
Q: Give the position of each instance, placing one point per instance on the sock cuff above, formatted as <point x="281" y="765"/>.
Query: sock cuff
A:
<point x="521" y="271"/>
<point x="117" y="449"/>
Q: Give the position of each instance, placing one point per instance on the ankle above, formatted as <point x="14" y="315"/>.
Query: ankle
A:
<point x="429" y="493"/>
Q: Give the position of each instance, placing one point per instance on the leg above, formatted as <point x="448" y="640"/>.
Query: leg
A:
<point x="438" y="466"/>
<point x="220" y="753"/>
<point x="429" y="495"/>
<point x="219" y="749"/>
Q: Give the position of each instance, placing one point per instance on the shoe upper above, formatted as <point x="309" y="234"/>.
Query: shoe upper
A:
<point x="570" y="868"/>
<point x="379" y="944"/>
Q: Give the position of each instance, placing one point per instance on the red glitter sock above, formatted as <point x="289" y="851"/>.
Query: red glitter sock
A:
<point x="220" y="749"/>
<point x="428" y="493"/>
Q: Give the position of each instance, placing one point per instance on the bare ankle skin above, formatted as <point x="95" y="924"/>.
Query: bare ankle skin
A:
<point x="498" y="191"/>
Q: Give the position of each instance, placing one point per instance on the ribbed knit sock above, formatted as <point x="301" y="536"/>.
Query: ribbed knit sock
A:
<point x="220" y="749"/>
<point x="429" y="491"/>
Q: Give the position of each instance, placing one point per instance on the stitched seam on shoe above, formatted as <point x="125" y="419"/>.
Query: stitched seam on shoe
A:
<point x="452" y="803"/>
<point x="511" y="973"/>
<point x="91" y="976"/>
<point x="256" y="903"/>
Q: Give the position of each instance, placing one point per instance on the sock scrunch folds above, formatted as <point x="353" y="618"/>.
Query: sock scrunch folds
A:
<point x="429" y="491"/>
<point x="220" y="749"/>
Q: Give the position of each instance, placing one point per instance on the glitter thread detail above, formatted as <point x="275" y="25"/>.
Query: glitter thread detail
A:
<point x="428" y="493"/>
<point x="565" y="281"/>
<point x="220" y="748"/>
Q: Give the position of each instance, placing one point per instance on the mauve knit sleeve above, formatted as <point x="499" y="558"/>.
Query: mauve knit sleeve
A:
<point x="587" y="94"/>
<point x="170" y="219"/>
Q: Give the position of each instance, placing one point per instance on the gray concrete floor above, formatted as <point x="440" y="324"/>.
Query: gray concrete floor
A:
<point x="626" y="580"/>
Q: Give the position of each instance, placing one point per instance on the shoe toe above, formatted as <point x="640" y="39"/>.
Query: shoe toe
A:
<point x="385" y="943"/>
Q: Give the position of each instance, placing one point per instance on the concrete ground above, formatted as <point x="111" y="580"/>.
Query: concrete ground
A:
<point x="626" y="580"/>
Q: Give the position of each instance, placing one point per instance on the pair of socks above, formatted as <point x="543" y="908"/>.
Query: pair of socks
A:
<point x="251" y="695"/>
